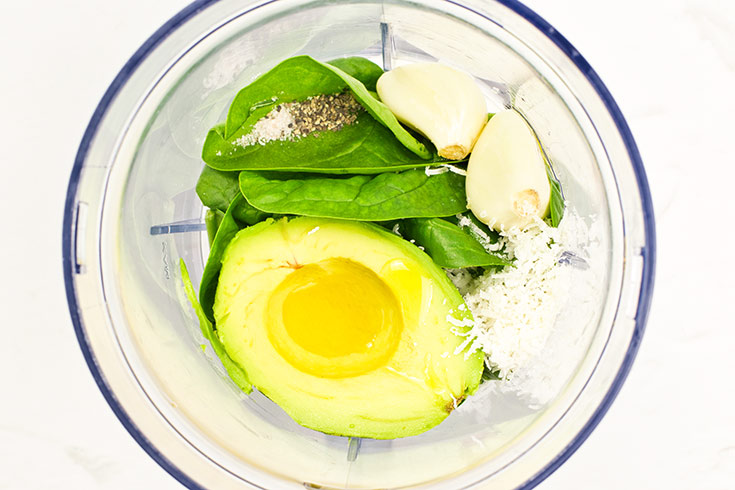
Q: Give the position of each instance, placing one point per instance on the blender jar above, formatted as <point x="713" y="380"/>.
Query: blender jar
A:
<point x="132" y="213"/>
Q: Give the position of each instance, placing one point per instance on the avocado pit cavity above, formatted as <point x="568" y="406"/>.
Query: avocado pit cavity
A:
<point x="334" y="318"/>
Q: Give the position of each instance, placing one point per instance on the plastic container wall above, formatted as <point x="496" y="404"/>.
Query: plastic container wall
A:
<point x="132" y="213"/>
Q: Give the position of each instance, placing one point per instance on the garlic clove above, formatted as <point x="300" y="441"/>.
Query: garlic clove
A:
<point x="442" y="103"/>
<point x="507" y="184"/>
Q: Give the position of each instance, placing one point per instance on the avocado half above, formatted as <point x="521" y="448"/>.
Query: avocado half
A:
<point x="347" y="327"/>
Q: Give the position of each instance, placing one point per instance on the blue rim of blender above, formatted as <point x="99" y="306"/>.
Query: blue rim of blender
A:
<point x="648" y="252"/>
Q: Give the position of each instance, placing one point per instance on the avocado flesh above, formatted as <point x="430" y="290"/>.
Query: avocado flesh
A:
<point x="419" y="379"/>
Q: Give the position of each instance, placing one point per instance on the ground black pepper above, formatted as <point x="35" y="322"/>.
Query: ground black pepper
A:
<point x="294" y="120"/>
<point x="323" y="113"/>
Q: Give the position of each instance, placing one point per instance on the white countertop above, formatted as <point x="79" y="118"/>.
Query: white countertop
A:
<point x="670" y="66"/>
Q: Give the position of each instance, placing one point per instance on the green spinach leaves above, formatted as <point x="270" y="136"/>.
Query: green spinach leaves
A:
<point x="382" y="197"/>
<point x="217" y="189"/>
<point x="237" y="374"/>
<point x="363" y="147"/>
<point x="369" y="170"/>
<point x="556" y="202"/>
<point x="360" y="68"/>
<point x="226" y="231"/>
<point x="449" y="245"/>
<point x="295" y="80"/>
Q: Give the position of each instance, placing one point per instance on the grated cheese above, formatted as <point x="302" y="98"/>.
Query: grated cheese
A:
<point x="429" y="171"/>
<point x="456" y="170"/>
<point x="515" y="309"/>
<point x="479" y="234"/>
<point x="444" y="168"/>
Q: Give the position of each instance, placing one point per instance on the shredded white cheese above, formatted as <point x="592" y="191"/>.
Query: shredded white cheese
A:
<point x="462" y="279"/>
<point x="444" y="168"/>
<point x="456" y="170"/>
<point x="478" y="233"/>
<point x="515" y="309"/>
<point x="429" y="171"/>
<point x="465" y="322"/>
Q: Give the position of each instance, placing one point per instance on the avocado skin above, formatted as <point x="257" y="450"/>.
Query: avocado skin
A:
<point x="423" y="381"/>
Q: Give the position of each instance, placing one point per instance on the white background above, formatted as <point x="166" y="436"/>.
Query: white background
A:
<point x="669" y="64"/>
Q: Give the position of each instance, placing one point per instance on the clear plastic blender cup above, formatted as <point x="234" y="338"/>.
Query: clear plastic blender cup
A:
<point x="132" y="213"/>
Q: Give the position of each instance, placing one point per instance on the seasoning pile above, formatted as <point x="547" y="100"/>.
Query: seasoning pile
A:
<point x="293" y="120"/>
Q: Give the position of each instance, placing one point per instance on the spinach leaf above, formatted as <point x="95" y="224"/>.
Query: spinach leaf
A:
<point x="296" y="79"/>
<point x="217" y="189"/>
<point x="291" y="80"/>
<point x="381" y="112"/>
<point x="245" y="214"/>
<point x="227" y="230"/>
<point x="363" y="147"/>
<point x="382" y="197"/>
<point x="476" y="228"/>
<point x="489" y="374"/>
<point x="360" y="68"/>
<point x="237" y="374"/>
<point x="449" y="245"/>
<point x="212" y="220"/>
<point x="556" y="201"/>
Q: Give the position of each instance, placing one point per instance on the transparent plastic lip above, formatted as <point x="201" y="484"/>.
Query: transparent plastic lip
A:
<point x="72" y="262"/>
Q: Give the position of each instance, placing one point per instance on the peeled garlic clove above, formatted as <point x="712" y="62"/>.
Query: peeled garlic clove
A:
<point x="507" y="184"/>
<point x="442" y="103"/>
